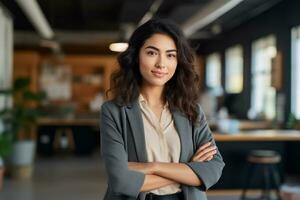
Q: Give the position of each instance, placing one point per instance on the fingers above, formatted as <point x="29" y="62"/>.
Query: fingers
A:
<point x="203" y="147"/>
<point x="205" y="155"/>
<point x="200" y="155"/>
<point x="206" y="151"/>
<point x="209" y="158"/>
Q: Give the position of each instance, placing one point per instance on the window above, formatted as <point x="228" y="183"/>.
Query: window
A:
<point x="213" y="73"/>
<point x="295" y="98"/>
<point x="262" y="93"/>
<point x="234" y="69"/>
<point x="6" y="48"/>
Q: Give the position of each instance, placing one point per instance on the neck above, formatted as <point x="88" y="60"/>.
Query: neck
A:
<point x="153" y="95"/>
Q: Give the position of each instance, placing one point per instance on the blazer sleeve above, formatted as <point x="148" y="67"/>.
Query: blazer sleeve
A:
<point x="121" y="180"/>
<point x="210" y="171"/>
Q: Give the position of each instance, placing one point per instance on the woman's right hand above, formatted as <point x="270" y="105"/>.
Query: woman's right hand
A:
<point x="205" y="152"/>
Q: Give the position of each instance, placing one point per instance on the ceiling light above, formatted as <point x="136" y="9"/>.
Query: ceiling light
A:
<point x="150" y="13"/>
<point x="124" y="33"/>
<point x="37" y="18"/>
<point x="118" y="46"/>
<point x="207" y="15"/>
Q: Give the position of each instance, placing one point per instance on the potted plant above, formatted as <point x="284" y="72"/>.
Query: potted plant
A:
<point x="5" y="150"/>
<point x="19" y="121"/>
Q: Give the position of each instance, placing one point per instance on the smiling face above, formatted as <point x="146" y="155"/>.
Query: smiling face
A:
<point x="157" y="60"/>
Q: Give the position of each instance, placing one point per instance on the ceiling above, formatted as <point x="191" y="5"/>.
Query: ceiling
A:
<point x="90" y="25"/>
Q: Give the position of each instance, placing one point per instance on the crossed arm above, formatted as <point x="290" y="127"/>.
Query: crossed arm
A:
<point x="159" y="174"/>
<point x="146" y="176"/>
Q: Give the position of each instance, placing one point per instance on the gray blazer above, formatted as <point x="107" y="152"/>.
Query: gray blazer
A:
<point x="122" y="140"/>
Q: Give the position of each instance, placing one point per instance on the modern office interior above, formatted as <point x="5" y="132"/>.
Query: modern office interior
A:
<point x="56" y="59"/>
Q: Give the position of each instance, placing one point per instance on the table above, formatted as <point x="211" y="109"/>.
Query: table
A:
<point x="259" y="135"/>
<point x="68" y="121"/>
<point x="235" y="148"/>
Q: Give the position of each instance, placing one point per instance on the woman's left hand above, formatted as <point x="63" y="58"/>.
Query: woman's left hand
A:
<point x="205" y="152"/>
<point x="146" y="168"/>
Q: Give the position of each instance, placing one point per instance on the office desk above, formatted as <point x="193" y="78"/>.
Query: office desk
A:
<point x="81" y="133"/>
<point x="259" y="135"/>
<point x="246" y="124"/>
<point x="235" y="148"/>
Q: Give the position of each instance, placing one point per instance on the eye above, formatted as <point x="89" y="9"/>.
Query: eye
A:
<point x="171" y="55"/>
<point x="151" y="53"/>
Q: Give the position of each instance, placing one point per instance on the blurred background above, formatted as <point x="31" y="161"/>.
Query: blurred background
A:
<point x="56" y="58"/>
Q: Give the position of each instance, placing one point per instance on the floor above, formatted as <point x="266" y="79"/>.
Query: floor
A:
<point x="67" y="177"/>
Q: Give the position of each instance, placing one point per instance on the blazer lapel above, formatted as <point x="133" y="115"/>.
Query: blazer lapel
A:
<point x="136" y="122"/>
<point x="185" y="133"/>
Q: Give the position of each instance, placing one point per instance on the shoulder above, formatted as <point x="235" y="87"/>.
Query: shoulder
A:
<point x="111" y="107"/>
<point x="111" y="104"/>
<point x="117" y="104"/>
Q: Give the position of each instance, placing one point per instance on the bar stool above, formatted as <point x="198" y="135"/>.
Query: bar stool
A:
<point x="267" y="160"/>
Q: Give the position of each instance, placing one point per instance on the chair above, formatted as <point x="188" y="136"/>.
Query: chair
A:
<point x="267" y="160"/>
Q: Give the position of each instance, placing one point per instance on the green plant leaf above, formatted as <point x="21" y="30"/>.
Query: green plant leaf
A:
<point x="31" y="96"/>
<point x="21" y="84"/>
<point x="5" y="111"/>
<point x="6" y="143"/>
<point x="21" y="116"/>
<point x="6" y="92"/>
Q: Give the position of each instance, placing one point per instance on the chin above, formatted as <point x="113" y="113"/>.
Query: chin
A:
<point x="157" y="83"/>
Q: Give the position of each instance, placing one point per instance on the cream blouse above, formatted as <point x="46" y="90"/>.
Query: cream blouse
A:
<point x="162" y="140"/>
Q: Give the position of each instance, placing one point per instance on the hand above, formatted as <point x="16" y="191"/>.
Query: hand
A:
<point x="146" y="168"/>
<point x="205" y="152"/>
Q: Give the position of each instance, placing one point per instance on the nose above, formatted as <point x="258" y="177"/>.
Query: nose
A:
<point x="160" y="62"/>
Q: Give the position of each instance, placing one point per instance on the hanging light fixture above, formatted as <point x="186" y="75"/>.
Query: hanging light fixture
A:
<point x="118" y="46"/>
<point x="124" y="33"/>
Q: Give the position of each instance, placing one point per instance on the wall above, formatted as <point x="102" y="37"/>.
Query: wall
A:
<point x="278" y="20"/>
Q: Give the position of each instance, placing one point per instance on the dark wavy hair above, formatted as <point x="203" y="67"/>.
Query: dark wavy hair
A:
<point x="181" y="91"/>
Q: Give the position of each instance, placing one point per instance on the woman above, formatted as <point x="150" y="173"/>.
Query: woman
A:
<point x="155" y="140"/>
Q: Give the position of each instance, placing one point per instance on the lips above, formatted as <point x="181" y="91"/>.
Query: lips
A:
<point x="158" y="74"/>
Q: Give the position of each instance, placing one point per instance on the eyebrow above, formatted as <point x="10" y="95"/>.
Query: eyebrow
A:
<point x="156" y="49"/>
